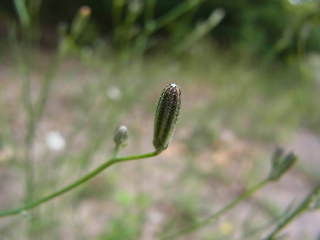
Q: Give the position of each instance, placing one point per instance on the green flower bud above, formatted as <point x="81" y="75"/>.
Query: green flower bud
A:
<point x="80" y="21"/>
<point x="166" y="116"/>
<point x="281" y="163"/>
<point x="121" y="135"/>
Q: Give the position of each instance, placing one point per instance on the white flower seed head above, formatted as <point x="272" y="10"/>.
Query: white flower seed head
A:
<point x="55" y="141"/>
<point x="114" y="93"/>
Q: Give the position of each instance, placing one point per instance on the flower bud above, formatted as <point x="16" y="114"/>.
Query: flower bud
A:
<point x="80" y="21"/>
<point x="281" y="163"/>
<point x="166" y="116"/>
<point x="121" y="135"/>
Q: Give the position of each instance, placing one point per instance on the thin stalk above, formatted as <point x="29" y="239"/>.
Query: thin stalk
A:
<point x="23" y="63"/>
<point x="200" y="31"/>
<point x="117" y="9"/>
<point x="117" y="19"/>
<point x="49" y="77"/>
<point x="23" y="13"/>
<point x="116" y="150"/>
<point x="149" y="10"/>
<point x="77" y="183"/>
<point x="222" y="211"/>
<point x="296" y="212"/>
<point x="141" y="42"/>
<point x="177" y="12"/>
<point x="34" y="114"/>
<point x="5" y="122"/>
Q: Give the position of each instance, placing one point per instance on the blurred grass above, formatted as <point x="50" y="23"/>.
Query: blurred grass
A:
<point x="258" y="103"/>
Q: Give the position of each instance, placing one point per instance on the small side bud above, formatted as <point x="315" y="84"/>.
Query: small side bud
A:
<point x="85" y="11"/>
<point x="281" y="164"/>
<point x="166" y="116"/>
<point x="277" y="155"/>
<point x="121" y="135"/>
<point x="80" y="21"/>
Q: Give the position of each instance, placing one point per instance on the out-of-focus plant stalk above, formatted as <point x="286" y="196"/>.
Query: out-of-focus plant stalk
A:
<point x="149" y="10"/>
<point x="153" y="26"/>
<point x="219" y="213"/>
<point x="77" y="183"/>
<point x="303" y="206"/>
<point x="23" y="13"/>
<point x="280" y="164"/>
<point x="201" y="30"/>
<point x="23" y="53"/>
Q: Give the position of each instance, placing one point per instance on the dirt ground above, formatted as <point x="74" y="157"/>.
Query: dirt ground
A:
<point x="229" y="152"/>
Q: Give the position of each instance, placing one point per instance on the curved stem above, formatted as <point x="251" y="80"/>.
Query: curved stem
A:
<point x="116" y="151"/>
<point x="297" y="211"/>
<point x="216" y="215"/>
<point x="77" y="183"/>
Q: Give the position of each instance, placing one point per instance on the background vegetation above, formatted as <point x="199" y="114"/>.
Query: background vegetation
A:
<point x="269" y="28"/>
<point x="249" y="74"/>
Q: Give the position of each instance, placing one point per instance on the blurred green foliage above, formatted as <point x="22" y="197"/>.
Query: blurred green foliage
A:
<point x="270" y="28"/>
<point x="237" y="94"/>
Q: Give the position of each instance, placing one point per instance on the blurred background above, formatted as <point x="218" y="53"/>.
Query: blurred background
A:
<point x="72" y="71"/>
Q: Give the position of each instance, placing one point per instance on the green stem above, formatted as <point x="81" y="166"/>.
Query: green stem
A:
<point x="149" y="10"/>
<point x="163" y="21"/>
<point x="216" y="215"/>
<point x="34" y="114"/>
<point x="22" y="12"/>
<point x="297" y="211"/>
<point x="48" y="79"/>
<point x="116" y="150"/>
<point x="77" y="183"/>
<point x="176" y="12"/>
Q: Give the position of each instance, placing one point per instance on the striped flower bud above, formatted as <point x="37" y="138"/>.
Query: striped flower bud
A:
<point x="166" y="116"/>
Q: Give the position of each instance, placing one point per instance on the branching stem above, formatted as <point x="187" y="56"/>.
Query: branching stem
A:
<point x="77" y="183"/>
<point x="219" y="213"/>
